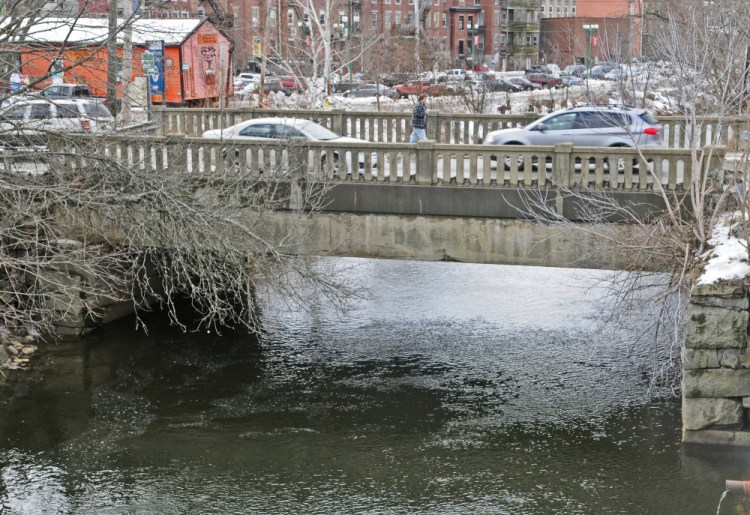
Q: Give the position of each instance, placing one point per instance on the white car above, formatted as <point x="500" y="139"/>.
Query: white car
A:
<point x="274" y="129"/>
<point x="28" y="121"/>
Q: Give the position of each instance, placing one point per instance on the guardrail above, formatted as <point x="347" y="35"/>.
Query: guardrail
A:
<point x="426" y="163"/>
<point x="392" y="127"/>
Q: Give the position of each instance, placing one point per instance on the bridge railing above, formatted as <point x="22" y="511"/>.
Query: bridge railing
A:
<point x="457" y="128"/>
<point x="426" y="163"/>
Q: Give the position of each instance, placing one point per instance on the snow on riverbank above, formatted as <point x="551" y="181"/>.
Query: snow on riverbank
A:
<point x="727" y="258"/>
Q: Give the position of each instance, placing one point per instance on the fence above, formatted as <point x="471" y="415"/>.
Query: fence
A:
<point x="391" y="127"/>
<point x="426" y="163"/>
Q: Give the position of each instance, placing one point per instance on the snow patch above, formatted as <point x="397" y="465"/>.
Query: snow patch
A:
<point x="728" y="255"/>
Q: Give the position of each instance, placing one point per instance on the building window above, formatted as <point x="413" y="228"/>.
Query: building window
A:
<point x="496" y="18"/>
<point x="495" y="43"/>
<point x="201" y="12"/>
<point x="185" y="14"/>
<point x="460" y="23"/>
<point x="374" y="19"/>
<point x="292" y="32"/>
<point x="290" y="17"/>
<point x="435" y="19"/>
<point x="255" y="12"/>
<point x="445" y="20"/>
<point x="388" y="19"/>
<point x="398" y="2"/>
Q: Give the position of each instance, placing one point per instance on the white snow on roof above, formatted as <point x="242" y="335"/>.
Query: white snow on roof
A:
<point x="728" y="255"/>
<point x="95" y="30"/>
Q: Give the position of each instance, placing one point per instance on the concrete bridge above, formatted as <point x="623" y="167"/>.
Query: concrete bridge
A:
<point x="470" y="202"/>
<point x="428" y="201"/>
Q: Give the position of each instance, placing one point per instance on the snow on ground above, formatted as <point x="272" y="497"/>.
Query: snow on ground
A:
<point x="600" y="91"/>
<point x="727" y="259"/>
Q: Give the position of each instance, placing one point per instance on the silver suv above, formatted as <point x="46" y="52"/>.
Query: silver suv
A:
<point x="26" y="121"/>
<point x="587" y="126"/>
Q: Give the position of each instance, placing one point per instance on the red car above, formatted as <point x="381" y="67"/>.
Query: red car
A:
<point x="417" y="87"/>
<point x="545" y="80"/>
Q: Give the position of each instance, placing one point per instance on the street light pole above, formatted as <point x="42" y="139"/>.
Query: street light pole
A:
<point x="350" y="24"/>
<point x="472" y="30"/>
<point x="589" y="29"/>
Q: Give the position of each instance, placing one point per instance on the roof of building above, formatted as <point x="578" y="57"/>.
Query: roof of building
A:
<point x="81" y="31"/>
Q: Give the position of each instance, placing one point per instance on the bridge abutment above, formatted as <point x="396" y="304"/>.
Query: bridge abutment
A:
<point x="716" y="366"/>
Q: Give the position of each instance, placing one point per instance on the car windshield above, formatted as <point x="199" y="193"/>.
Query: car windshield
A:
<point x="318" y="132"/>
<point x="96" y="110"/>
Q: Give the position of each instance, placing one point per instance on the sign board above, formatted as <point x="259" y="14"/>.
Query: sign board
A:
<point x="153" y="65"/>
<point x="185" y="66"/>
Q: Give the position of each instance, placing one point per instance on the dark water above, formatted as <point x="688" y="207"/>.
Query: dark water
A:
<point x="456" y="389"/>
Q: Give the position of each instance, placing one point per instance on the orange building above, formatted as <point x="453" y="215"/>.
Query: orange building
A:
<point x="196" y="67"/>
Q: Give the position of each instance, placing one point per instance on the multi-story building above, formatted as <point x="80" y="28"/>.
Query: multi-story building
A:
<point x="490" y="33"/>
<point x="591" y="31"/>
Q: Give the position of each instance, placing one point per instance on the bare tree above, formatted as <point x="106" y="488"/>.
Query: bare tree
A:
<point x="705" y="45"/>
<point x="177" y="238"/>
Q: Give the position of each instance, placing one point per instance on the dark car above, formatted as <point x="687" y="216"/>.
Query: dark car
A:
<point x="600" y="70"/>
<point x="526" y="84"/>
<point x="502" y="85"/>
<point x="576" y="70"/>
<point x="372" y="90"/>
<point x="343" y="87"/>
<point x="545" y="80"/>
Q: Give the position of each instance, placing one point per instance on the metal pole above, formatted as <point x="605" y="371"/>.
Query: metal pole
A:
<point x="416" y="34"/>
<point x="472" y="32"/>
<point x="349" y="39"/>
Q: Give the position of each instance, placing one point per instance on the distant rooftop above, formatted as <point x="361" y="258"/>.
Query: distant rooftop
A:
<point x="78" y="31"/>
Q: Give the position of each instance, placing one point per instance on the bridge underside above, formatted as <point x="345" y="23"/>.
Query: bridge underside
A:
<point x="476" y="225"/>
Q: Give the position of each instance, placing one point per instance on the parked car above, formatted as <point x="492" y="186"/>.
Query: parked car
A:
<point x="417" y="87"/>
<point x="344" y="86"/>
<point x="372" y="90"/>
<point x="502" y="85"/>
<point x="68" y="91"/>
<point x="545" y="80"/>
<point x="600" y="70"/>
<point x="570" y="80"/>
<point x="526" y="84"/>
<point x="576" y="70"/>
<point x="292" y="85"/>
<point x="275" y="129"/>
<point x="590" y="126"/>
<point x="616" y="74"/>
<point x="28" y="122"/>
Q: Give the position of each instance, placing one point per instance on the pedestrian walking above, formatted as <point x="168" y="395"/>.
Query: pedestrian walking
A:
<point x="419" y="120"/>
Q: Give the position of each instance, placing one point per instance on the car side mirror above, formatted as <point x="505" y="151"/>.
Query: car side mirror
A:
<point x="539" y="127"/>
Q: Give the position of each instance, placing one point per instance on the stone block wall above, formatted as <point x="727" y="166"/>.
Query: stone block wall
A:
<point x="716" y="366"/>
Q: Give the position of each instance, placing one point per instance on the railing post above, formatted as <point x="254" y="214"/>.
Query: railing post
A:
<point x="297" y="152"/>
<point x="433" y="129"/>
<point x="160" y="117"/>
<point x="713" y="165"/>
<point x="337" y="117"/>
<point x="176" y="161"/>
<point x="425" y="162"/>
<point x="562" y="172"/>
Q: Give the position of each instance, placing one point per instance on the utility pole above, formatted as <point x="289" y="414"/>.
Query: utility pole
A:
<point x="417" y="30"/>
<point x="127" y="60"/>
<point x="112" y="57"/>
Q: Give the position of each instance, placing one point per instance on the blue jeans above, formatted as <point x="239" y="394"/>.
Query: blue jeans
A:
<point x="417" y="134"/>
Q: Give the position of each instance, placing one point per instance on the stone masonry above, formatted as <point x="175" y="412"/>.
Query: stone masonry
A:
<point x="716" y="366"/>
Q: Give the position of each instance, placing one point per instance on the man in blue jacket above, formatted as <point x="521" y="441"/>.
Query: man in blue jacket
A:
<point x="419" y="120"/>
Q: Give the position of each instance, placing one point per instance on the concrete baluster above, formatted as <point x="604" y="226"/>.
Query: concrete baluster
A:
<point x="337" y="116"/>
<point x="434" y="124"/>
<point x="425" y="163"/>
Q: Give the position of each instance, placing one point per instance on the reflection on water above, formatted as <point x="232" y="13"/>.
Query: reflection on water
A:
<point x="455" y="389"/>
